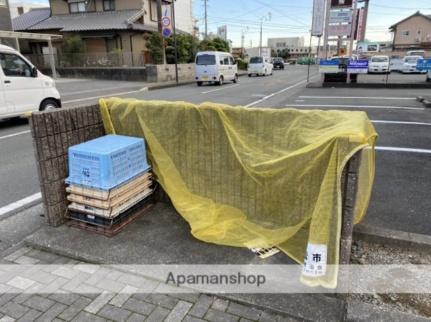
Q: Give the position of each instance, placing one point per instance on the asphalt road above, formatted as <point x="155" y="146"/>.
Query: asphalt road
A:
<point x="401" y="193"/>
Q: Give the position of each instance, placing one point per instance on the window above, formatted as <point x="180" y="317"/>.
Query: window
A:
<point x="108" y="5"/>
<point x="226" y="61"/>
<point x="153" y="10"/>
<point x="405" y="33"/>
<point x="76" y="7"/>
<point x="3" y="3"/>
<point x="256" y="60"/>
<point x="206" y="60"/>
<point x="232" y="62"/>
<point x="14" y="65"/>
<point x="20" y="10"/>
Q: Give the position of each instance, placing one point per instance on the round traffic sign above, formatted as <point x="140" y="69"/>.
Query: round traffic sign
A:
<point x="166" y="21"/>
<point x="166" y="32"/>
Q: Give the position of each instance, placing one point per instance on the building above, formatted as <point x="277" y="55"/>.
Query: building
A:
<point x="5" y="20"/>
<point x="20" y="8"/>
<point x="285" y="43"/>
<point x="105" y="26"/>
<point x="414" y="32"/>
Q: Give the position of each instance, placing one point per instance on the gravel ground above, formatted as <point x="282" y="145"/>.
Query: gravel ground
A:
<point x="369" y="254"/>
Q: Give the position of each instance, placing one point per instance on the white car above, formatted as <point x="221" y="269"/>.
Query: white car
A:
<point x="22" y="87"/>
<point x="259" y="66"/>
<point x="429" y="76"/>
<point x="410" y="63"/>
<point x="215" y="67"/>
<point x="379" y="64"/>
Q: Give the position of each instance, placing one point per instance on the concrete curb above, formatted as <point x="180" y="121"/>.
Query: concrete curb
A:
<point x="392" y="237"/>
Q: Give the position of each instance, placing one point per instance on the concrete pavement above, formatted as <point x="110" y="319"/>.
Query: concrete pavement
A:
<point x="400" y="198"/>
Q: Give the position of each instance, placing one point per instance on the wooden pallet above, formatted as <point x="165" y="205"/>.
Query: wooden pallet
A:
<point x="113" y="202"/>
<point x="112" y="212"/>
<point x="113" y="230"/>
<point x="111" y="194"/>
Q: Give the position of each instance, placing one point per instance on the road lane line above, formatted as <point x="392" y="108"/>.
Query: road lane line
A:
<point x="14" y="134"/>
<point x="108" y="95"/>
<point x="401" y="122"/>
<point x="407" y="150"/>
<point x="359" y="97"/>
<point x="358" y="106"/>
<point x="97" y="90"/>
<point x="276" y="93"/>
<point x="20" y="204"/>
<point x="220" y="89"/>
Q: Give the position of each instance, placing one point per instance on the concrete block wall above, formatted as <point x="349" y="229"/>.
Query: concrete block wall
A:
<point x="53" y="133"/>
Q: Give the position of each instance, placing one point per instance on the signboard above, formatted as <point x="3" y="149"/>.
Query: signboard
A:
<point x="222" y="32"/>
<point x="357" y="67"/>
<point x="329" y="66"/>
<point x="318" y="18"/>
<point x="423" y="64"/>
<point x="340" y="16"/>
<point x="167" y="21"/>
<point x="339" y="30"/>
<point x="341" y="3"/>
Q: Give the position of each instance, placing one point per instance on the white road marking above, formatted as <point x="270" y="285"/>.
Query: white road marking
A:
<point x="276" y="93"/>
<point x="14" y="134"/>
<point x="220" y="89"/>
<point x="358" y="106"/>
<point x="107" y="95"/>
<point x="19" y="204"/>
<point x="402" y="123"/>
<point x="360" y="97"/>
<point x="407" y="150"/>
<point x="97" y="90"/>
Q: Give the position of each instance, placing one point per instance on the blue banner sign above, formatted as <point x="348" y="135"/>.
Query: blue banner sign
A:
<point x="329" y="66"/>
<point x="423" y="64"/>
<point x="357" y="67"/>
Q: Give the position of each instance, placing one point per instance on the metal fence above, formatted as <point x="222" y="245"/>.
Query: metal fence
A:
<point x="64" y="60"/>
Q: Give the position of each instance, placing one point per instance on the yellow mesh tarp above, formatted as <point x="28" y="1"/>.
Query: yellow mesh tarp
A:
<point x="253" y="177"/>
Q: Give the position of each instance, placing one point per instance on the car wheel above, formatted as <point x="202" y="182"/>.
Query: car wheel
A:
<point x="49" y="105"/>
<point x="236" y="80"/>
<point x="199" y="84"/>
<point x="220" y="81"/>
<point x="249" y="75"/>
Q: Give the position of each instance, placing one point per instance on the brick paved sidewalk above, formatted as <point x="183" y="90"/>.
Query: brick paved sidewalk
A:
<point x="66" y="304"/>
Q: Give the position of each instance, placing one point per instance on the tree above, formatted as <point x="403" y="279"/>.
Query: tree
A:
<point x="187" y="46"/>
<point x="216" y="44"/>
<point x="72" y="49"/>
<point x="155" y="47"/>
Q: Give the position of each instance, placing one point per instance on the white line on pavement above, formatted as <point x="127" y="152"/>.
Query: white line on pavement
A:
<point x="14" y="134"/>
<point x="19" y="204"/>
<point x="393" y="149"/>
<point x="220" y="89"/>
<point x="276" y="93"/>
<point x="358" y="106"/>
<point x="361" y="97"/>
<point x="401" y="122"/>
<point x="107" y="95"/>
<point x="98" y="90"/>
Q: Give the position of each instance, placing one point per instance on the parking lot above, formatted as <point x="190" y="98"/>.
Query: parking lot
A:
<point x="400" y="199"/>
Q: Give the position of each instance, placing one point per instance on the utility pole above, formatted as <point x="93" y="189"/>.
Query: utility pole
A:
<point x="326" y="31"/>
<point x="264" y="18"/>
<point x="243" y="32"/>
<point x="354" y="23"/>
<point x="175" y="41"/>
<point x="206" y="18"/>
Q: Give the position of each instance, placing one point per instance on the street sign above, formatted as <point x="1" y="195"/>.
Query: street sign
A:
<point x="167" y="32"/>
<point x="340" y="30"/>
<point x="318" y="18"/>
<point x="166" y="21"/>
<point x="357" y="67"/>
<point x="329" y="66"/>
<point x="341" y="16"/>
<point x="423" y="64"/>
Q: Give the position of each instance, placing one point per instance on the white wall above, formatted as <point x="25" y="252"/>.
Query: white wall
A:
<point x="26" y="6"/>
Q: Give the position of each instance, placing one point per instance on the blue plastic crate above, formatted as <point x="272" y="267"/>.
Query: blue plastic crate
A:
<point x="106" y="162"/>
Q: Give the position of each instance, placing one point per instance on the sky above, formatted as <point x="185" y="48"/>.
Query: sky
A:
<point x="289" y="18"/>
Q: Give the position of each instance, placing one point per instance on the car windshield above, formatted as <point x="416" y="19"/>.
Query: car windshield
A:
<point x="380" y="59"/>
<point x="206" y="60"/>
<point x="412" y="60"/>
<point x="256" y="60"/>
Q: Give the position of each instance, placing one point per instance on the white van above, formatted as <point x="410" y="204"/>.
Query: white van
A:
<point x="215" y="67"/>
<point x="22" y="87"/>
<point x="259" y="66"/>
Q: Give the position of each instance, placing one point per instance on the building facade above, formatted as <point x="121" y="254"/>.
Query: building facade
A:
<point x="5" y="20"/>
<point x="285" y="43"/>
<point x="20" y="8"/>
<point x="104" y="26"/>
<point x="414" y="32"/>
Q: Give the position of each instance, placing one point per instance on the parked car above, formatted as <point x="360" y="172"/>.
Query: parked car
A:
<point x="215" y="67"/>
<point x="259" y="66"/>
<point x="22" y="87"/>
<point x="410" y="63"/>
<point x="396" y="64"/>
<point x="429" y="76"/>
<point x="278" y="63"/>
<point x="379" y="64"/>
